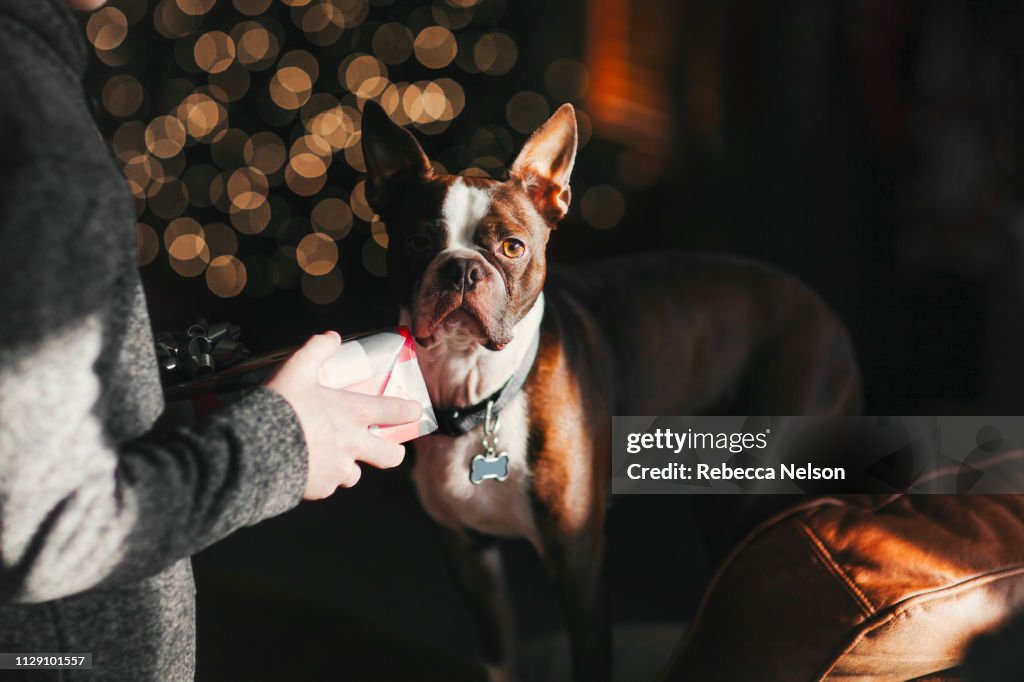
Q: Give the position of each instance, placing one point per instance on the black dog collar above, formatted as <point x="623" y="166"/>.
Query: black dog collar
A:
<point x="456" y="422"/>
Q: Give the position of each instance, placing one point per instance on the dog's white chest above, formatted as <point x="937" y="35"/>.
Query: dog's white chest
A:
<point x="502" y="508"/>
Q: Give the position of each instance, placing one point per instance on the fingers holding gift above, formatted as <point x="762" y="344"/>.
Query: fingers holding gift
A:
<point x="381" y="411"/>
<point x="351" y="473"/>
<point x="339" y="424"/>
<point x="380" y="453"/>
<point x="318" y="349"/>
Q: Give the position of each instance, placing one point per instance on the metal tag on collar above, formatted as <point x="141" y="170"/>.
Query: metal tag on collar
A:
<point x="490" y="464"/>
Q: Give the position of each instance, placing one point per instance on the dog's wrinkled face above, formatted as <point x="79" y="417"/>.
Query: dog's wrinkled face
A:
<point x="466" y="255"/>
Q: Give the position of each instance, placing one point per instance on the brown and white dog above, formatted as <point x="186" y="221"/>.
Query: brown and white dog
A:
<point x="646" y="335"/>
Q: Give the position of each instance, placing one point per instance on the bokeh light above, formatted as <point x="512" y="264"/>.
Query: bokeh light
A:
<point x="435" y="47"/>
<point x="140" y="171"/>
<point x="250" y="221"/>
<point x="214" y="52"/>
<point x="566" y="80"/>
<point x="333" y="217"/>
<point x="130" y="140"/>
<point x="451" y="16"/>
<point x="256" y="47"/>
<point x="354" y="154"/>
<point x="265" y="151"/>
<point x="526" y="111"/>
<point x="165" y="136"/>
<point x="290" y="87"/>
<point x="186" y="246"/>
<point x="360" y="207"/>
<point x="602" y="206"/>
<point x="364" y="76"/>
<point x="107" y="28"/>
<point x="379" y="232"/>
<point x="148" y="243"/>
<point x="122" y="95"/>
<point x="393" y="43"/>
<point x="171" y="22"/>
<point x="301" y="59"/>
<point x="226" y="276"/>
<point x="179" y="227"/>
<point x="584" y="127"/>
<point x="247" y="188"/>
<point x="195" y="7"/>
<point x="495" y="54"/>
<point x="316" y="254"/>
<point x="201" y="115"/>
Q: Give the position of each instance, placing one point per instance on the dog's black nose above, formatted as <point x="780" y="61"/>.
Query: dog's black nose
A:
<point x="462" y="273"/>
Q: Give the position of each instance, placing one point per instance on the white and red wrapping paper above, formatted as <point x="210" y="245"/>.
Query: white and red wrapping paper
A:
<point x="382" y="364"/>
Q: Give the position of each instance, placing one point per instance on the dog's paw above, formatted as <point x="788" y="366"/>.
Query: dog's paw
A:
<point x="498" y="674"/>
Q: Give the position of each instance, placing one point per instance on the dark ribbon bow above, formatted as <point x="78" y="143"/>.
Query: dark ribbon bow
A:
<point x="201" y="350"/>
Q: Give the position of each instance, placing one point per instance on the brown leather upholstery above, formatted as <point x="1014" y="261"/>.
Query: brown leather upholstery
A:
<point x="860" y="588"/>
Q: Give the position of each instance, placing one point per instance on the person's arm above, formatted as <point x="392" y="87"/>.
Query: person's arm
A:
<point x="77" y="509"/>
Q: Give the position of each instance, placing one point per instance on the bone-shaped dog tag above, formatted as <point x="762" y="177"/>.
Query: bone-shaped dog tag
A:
<point x="482" y="468"/>
<point x="490" y="464"/>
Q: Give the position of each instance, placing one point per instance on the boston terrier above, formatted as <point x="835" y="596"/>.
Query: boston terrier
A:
<point x="526" y="370"/>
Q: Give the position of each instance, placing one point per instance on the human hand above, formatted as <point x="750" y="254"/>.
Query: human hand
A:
<point x="336" y="422"/>
<point x="86" y="5"/>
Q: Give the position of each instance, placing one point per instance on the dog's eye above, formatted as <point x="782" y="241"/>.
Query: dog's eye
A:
<point x="513" y="248"/>
<point x="417" y="245"/>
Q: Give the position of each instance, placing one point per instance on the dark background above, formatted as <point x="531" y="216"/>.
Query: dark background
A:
<point x="872" y="148"/>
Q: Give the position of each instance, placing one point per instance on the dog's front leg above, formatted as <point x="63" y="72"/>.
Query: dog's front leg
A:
<point x="576" y="563"/>
<point x="479" y="578"/>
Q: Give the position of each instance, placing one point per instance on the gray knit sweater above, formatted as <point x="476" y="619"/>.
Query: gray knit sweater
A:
<point x="97" y="516"/>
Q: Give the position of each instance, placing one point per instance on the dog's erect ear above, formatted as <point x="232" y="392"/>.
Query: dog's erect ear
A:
<point x="391" y="153"/>
<point x="544" y="164"/>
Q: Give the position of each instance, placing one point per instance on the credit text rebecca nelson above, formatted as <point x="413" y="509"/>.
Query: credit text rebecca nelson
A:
<point x="724" y="472"/>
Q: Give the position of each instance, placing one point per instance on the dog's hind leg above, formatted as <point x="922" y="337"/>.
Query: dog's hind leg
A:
<point x="477" y="570"/>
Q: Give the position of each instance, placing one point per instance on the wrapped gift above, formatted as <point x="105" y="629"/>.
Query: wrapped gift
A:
<point x="382" y="363"/>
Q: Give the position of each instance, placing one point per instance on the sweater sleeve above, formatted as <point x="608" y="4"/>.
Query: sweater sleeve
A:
<point x="77" y="509"/>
